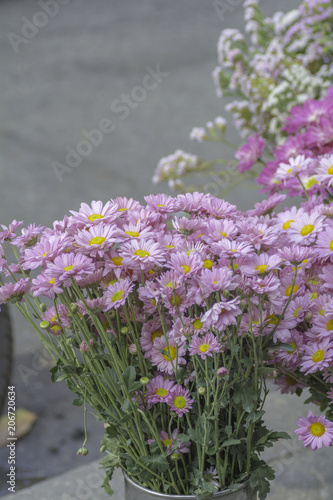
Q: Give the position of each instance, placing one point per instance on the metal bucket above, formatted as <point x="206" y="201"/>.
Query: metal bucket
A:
<point x="134" y="491"/>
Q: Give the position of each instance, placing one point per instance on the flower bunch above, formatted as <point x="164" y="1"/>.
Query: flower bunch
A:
<point x="162" y="317"/>
<point x="288" y="62"/>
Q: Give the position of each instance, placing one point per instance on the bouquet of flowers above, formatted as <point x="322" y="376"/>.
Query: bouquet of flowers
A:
<point x="288" y="62"/>
<point x="163" y="318"/>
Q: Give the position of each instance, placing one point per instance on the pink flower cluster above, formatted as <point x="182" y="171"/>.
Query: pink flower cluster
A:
<point x="216" y="272"/>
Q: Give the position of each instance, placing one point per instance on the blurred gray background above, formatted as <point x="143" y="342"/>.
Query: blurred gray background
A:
<point x="60" y="80"/>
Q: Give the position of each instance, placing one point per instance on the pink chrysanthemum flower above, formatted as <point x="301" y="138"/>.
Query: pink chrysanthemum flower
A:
<point x="191" y="202"/>
<point x="167" y="357"/>
<point x="96" y="239"/>
<point x="184" y="264"/>
<point x="220" y="209"/>
<point x="286" y="217"/>
<point x="117" y="294"/>
<point x="315" y="431"/>
<point x="158" y="390"/>
<point x="142" y="254"/>
<point x="96" y="305"/>
<point x="179" y="400"/>
<point x="69" y="265"/>
<point x="265" y="207"/>
<point x="162" y="203"/>
<point x="218" y="229"/>
<point x="324" y="244"/>
<point x="8" y="233"/>
<point x="296" y="166"/>
<point x="305" y="229"/>
<point x="53" y="316"/>
<point x="220" y="278"/>
<point x="295" y="254"/>
<point x="261" y="264"/>
<point x="28" y="236"/>
<point x="151" y="330"/>
<point x="135" y="230"/>
<point x="186" y="226"/>
<point x="291" y="357"/>
<point x="322" y="324"/>
<point x="183" y="329"/>
<point x="126" y="205"/>
<point x="44" y="251"/>
<point x="222" y="314"/>
<point x="317" y="356"/>
<point x="45" y="284"/>
<point x="234" y="249"/>
<point x="14" y="292"/>
<point x="94" y="214"/>
<point x="171" y="443"/>
<point x="204" y="346"/>
<point x="324" y="172"/>
<point x="288" y="385"/>
<point x="250" y="152"/>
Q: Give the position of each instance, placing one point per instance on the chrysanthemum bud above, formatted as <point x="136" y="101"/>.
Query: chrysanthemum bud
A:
<point x="84" y="346"/>
<point x="124" y="330"/>
<point x="70" y="342"/>
<point x="106" y="424"/>
<point x="74" y="307"/>
<point x="132" y="349"/>
<point x="102" y="448"/>
<point x="201" y="390"/>
<point x="144" y="380"/>
<point x="91" y="342"/>
<point x="222" y="372"/>
<point x="175" y="456"/>
<point x="42" y="307"/>
<point x="82" y="451"/>
<point x="44" y="325"/>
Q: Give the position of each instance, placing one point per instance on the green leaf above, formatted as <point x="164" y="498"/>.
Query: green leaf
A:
<point x="109" y="460"/>
<point x="254" y="417"/>
<point x="107" y="478"/>
<point x="228" y="430"/>
<point x="79" y="401"/>
<point x="103" y="357"/>
<point x="259" y="479"/>
<point x="129" y="377"/>
<point x="54" y="373"/>
<point x="245" y="396"/>
<point x="184" y="438"/>
<point x="230" y="442"/>
<point x="156" y="463"/>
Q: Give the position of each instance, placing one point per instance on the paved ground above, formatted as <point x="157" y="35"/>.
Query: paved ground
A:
<point x="58" y="84"/>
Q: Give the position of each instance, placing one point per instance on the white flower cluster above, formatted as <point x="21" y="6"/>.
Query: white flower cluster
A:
<point x="288" y="62"/>
<point x="174" y="166"/>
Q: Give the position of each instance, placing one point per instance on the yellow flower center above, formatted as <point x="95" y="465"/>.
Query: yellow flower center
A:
<point x="98" y="240"/>
<point x="330" y="325"/>
<point x="290" y="170"/>
<point x="314" y="295"/>
<point x="117" y="260"/>
<point x="236" y="266"/>
<point x="262" y="268"/>
<point x="141" y="253"/>
<point x="293" y="347"/>
<point x="311" y="182"/>
<point x="133" y="234"/>
<point x="330" y="170"/>
<point x="307" y="229"/>
<point x="197" y="324"/>
<point x="161" y="392"/>
<point x="199" y="235"/>
<point x="187" y="269"/>
<point x="122" y="209"/>
<point x="172" y="351"/>
<point x="313" y="281"/>
<point x="204" y="347"/>
<point x="161" y="205"/>
<point x="117" y="296"/>
<point x="318" y="356"/>
<point x="208" y="264"/>
<point x="69" y="268"/>
<point x="179" y="402"/>
<point x="170" y="246"/>
<point x="288" y="289"/>
<point x="156" y="333"/>
<point x="52" y="280"/>
<point x="150" y="272"/>
<point x="272" y="319"/>
<point x="54" y="318"/>
<point x="223" y="234"/>
<point x="331" y="246"/>
<point x="317" y="429"/>
<point x="55" y="328"/>
<point x="286" y="225"/>
<point x="95" y="217"/>
<point x="44" y="254"/>
<point x="175" y="299"/>
<point x="297" y="311"/>
<point x="167" y="442"/>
